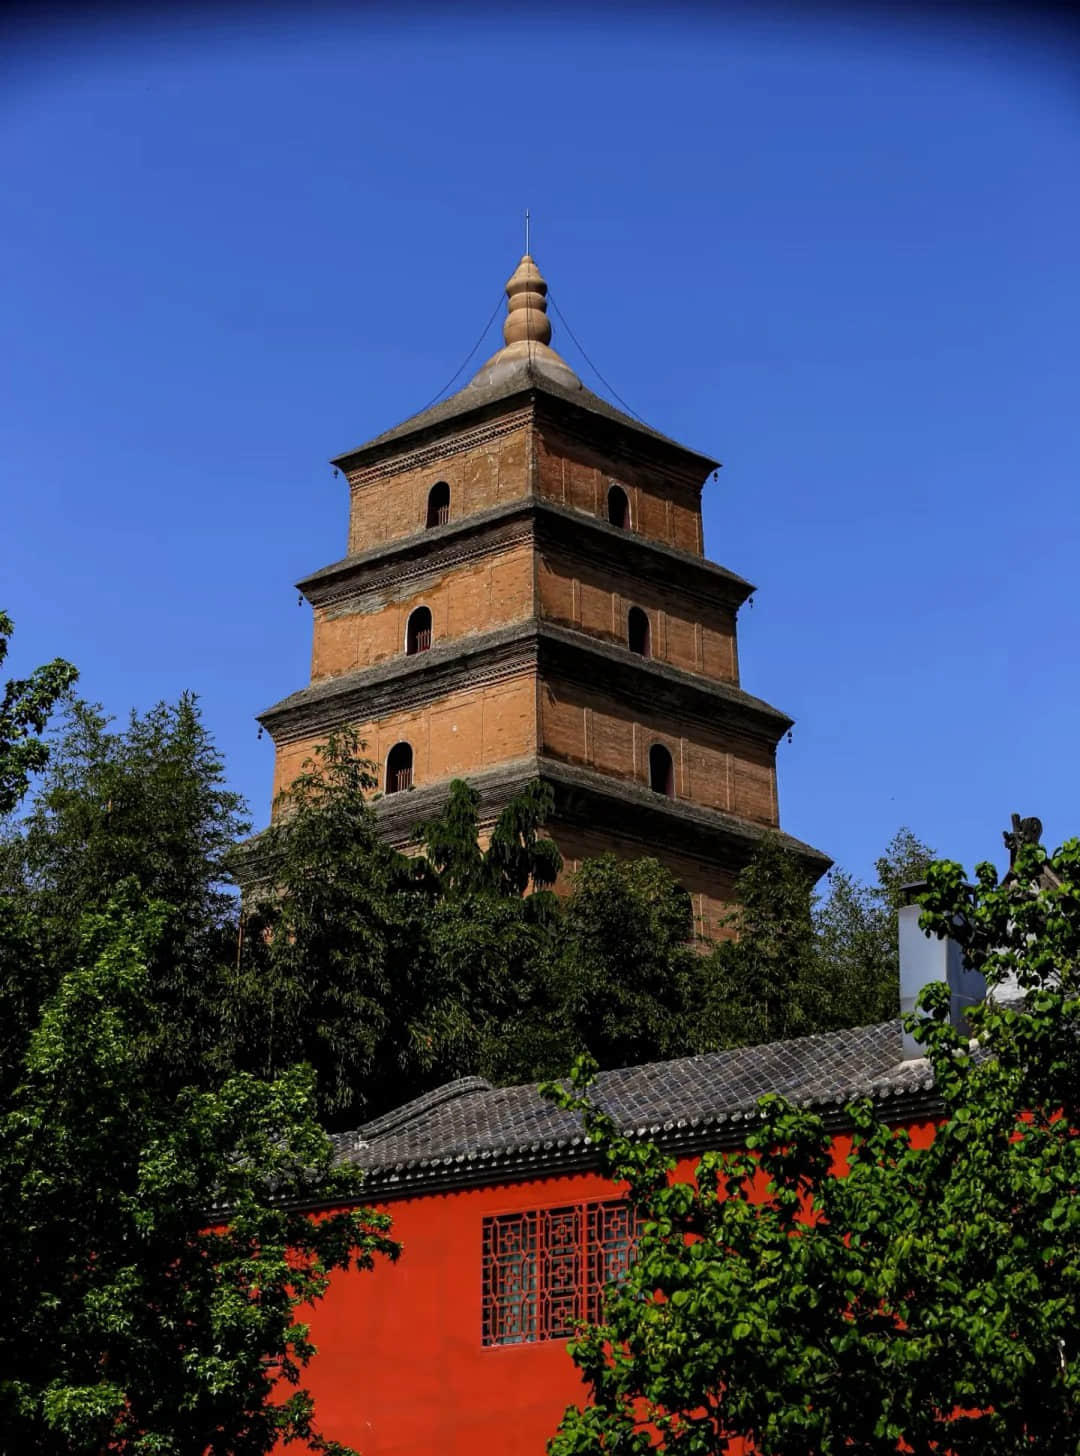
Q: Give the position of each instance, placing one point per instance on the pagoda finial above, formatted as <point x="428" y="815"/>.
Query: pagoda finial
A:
<point x="527" y="331"/>
<point x="526" y="310"/>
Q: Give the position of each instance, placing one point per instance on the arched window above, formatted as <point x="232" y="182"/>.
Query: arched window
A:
<point x="638" y="636"/>
<point x="661" y="771"/>
<point x="418" y="632"/>
<point x="399" y="768"/>
<point x="438" y="504"/>
<point x="618" y="508"/>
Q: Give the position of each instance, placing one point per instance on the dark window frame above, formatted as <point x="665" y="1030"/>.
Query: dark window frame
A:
<point x="438" y="505"/>
<point x="399" y="776"/>
<point x="639" y="631"/>
<point x="661" y="768"/>
<point x="618" y="508"/>
<point x="418" y="638"/>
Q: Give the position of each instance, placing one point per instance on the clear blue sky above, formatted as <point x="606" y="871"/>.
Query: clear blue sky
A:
<point x="839" y="255"/>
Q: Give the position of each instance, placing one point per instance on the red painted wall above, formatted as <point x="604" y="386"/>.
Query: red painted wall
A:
<point x="401" y="1370"/>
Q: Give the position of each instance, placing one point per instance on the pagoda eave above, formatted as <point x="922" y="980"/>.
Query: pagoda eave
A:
<point x="488" y="657"/>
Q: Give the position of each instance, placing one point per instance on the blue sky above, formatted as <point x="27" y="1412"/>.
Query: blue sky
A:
<point x="839" y="255"/>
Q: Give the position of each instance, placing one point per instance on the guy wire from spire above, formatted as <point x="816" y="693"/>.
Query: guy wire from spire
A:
<point x="589" y="362"/>
<point x="471" y="352"/>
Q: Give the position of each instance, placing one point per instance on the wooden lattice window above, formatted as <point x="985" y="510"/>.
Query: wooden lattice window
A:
<point x="638" y="635"/>
<point x="546" y="1270"/>
<point x="399" y="768"/>
<point x="618" y="507"/>
<point x="438" y="504"/>
<point x="418" y="631"/>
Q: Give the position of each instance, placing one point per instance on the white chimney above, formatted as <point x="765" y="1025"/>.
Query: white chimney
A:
<point x="925" y="958"/>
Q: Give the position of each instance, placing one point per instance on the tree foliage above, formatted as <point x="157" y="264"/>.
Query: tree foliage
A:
<point x="145" y="803"/>
<point x="25" y="708"/>
<point x="763" y="984"/>
<point x="155" y="1261"/>
<point x="797" y="963"/>
<point x="626" y="979"/>
<point x="324" y="968"/>
<point x="926" y="1299"/>
<point x="137" y="1320"/>
<point x="390" y="974"/>
<point x="856" y="934"/>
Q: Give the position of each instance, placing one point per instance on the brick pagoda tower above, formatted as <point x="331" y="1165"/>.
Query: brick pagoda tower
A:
<point x="525" y="596"/>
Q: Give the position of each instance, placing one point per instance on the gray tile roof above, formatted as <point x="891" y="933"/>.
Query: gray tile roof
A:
<point x="480" y="394"/>
<point x="470" y="1132"/>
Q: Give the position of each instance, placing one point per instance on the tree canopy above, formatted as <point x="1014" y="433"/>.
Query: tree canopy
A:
<point x="813" y="1295"/>
<point x="24" y="712"/>
<point x="388" y="973"/>
<point x="156" y="1264"/>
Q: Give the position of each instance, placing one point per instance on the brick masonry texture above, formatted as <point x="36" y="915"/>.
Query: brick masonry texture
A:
<point x="467" y="599"/>
<point x="504" y="576"/>
<point x="661" y="509"/>
<point x="684" y="631"/>
<point x="461" y="734"/>
<point x="389" y="503"/>
<point x="721" y="771"/>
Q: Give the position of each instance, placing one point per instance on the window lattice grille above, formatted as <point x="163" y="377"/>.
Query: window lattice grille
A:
<point x="545" y="1270"/>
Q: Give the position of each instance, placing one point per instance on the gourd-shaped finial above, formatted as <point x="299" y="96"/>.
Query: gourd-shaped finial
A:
<point x="527" y="355"/>
<point x="526" y="310"/>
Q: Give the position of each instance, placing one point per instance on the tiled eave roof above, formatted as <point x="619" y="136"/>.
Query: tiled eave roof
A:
<point x="548" y="522"/>
<point x="519" y="385"/>
<point x="455" y="663"/>
<point x="470" y="1133"/>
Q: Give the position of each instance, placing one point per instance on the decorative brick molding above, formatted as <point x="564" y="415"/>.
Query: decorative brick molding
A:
<point x="531" y="518"/>
<point x="532" y="645"/>
<point x="457" y="443"/>
<point x="585" y="798"/>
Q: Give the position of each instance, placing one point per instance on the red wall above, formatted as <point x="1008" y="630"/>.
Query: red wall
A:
<point x="401" y="1370"/>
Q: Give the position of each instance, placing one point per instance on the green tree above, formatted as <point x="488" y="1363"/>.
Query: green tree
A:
<point x="518" y="858"/>
<point x="857" y="939"/>
<point x="155" y="1262"/>
<point x="332" y="939"/>
<point x="490" y="917"/>
<point x="764" y="984"/>
<point x="388" y="974"/>
<point x="148" y="803"/>
<point x="25" y="708"/>
<point x="929" y="1296"/>
<point x="137" y="1320"/>
<point x="625" y="981"/>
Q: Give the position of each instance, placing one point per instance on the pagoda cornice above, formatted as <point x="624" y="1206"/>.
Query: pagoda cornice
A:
<point x="461" y="663"/>
<point x="591" y="800"/>
<point x="548" y="402"/>
<point x="531" y="518"/>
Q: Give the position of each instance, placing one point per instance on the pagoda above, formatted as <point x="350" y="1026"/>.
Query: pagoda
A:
<point x="525" y="597"/>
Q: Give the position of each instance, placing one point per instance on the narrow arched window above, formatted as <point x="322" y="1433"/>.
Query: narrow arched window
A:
<point x="399" y="768"/>
<point x="661" y="771"/>
<point x="438" y="504"/>
<point x="618" y="508"/>
<point x="638" y="636"/>
<point x="418" y="631"/>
